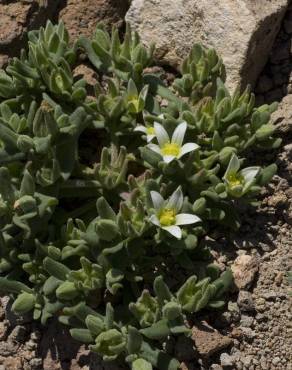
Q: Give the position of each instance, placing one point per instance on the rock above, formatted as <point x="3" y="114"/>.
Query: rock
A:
<point x="276" y="360"/>
<point x="216" y="367"/>
<point x="17" y="18"/>
<point x="226" y="360"/>
<point x="248" y="333"/>
<point x="186" y="366"/>
<point x="233" y="307"/>
<point x="3" y="330"/>
<point x="282" y="117"/>
<point x="261" y="317"/>
<point x="288" y="215"/>
<point x="208" y="340"/>
<point x="84" y="71"/>
<point x="236" y="333"/>
<point x="242" y="31"/>
<point x="246" y="360"/>
<point x="260" y="305"/>
<point x="245" y="301"/>
<point x="18" y="334"/>
<point x="244" y="270"/>
<point x="273" y="296"/>
<point x="10" y="316"/>
<point x="278" y="200"/>
<point x="288" y="152"/>
<point x="81" y="17"/>
<point x="2" y="310"/>
<point x="30" y="345"/>
<point x="50" y="363"/>
<point x="13" y="363"/>
<point x="8" y="348"/>
<point x="3" y="62"/>
<point x="36" y="363"/>
<point x="289" y="88"/>
<point x="279" y="278"/>
<point x="246" y="321"/>
<point x="231" y="316"/>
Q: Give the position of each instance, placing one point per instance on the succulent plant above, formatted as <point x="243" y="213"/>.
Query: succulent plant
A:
<point x="93" y="217"/>
<point x="199" y="72"/>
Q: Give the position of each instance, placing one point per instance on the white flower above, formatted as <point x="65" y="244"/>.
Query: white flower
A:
<point x="239" y="181"/>
<point x="167" y="214"/>
<point x="171" y="149"/>
<point x="136" y="101"/>
<point x="148" y="130"/>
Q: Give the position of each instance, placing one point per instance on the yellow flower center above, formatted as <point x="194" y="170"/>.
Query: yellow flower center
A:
<point x="135" y="102"/>
<point x="150" y="130"/>
<point x="170" y="149"/>
<point x="235" y="180"/>
<point x="59" y="82"/>
<point x="167" y="217"/>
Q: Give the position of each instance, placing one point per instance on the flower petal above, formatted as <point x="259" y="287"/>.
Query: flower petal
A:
<point x="161" y="134"/>
<point x="157" y="200"/>
<point x="168" y="158"/>
<point x="186" y="148"/>
<point x="143" y="93"/>
<point x="150" y="138"/>
<point x="249" y="173"/>
<point x="179" y="134"/>
<point x="233" y="166"/>
<point x="173" y="230"/>
<point x="176" y="200"/>
<point x="132" y="89"/>
<point x="186" y="219"/>
<point x="155" y="148"/>
<point x="154" y="220"/>
<point x="141" y="128"/>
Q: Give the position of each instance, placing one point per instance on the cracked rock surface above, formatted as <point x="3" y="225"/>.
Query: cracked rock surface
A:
<point x="17" y="18"/>
<point x="242" y="31"/>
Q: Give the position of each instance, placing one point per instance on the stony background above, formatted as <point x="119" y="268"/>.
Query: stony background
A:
<point x="254" y="332"/>
<point x="242" y="31"/>
<point x="80" y="17"/>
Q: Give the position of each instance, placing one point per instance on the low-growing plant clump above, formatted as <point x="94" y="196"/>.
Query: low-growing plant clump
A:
<point x="107" y="193"/>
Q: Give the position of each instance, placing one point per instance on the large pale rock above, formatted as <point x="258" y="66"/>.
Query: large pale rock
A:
<point x="242" y="31"/>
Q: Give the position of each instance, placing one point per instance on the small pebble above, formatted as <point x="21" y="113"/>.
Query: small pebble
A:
<point x="246" y="321"/>
<point x="245" y="301"/>
<point x="276" y="360"/>
<point x="226" y="360"/>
